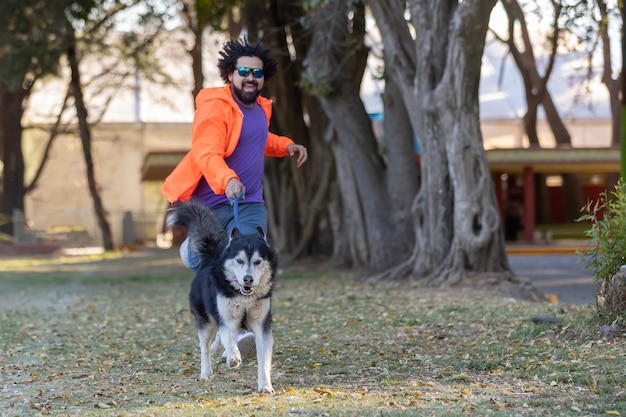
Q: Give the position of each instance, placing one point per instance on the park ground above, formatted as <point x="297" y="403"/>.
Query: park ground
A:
<point x="111" y="335"/>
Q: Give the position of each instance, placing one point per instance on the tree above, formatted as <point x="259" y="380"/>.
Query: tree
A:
<point x="611" y="81"/>
<point x="199" y="16"/>
<point x="37" y="35"/>
<point x="455" y="215"/>
<point x="292" y="234"/>
<point x="28" y="53"/>
<point x="300" y="202"/>
<point x="95" y="35"/>
<point x="334" y="68"/>
<point x="537" y="94"/>
<point x="76" y="90"/>
<point x="600" y="16"/>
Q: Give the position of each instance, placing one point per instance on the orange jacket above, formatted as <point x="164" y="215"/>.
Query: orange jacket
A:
<point x="214" y="135"/>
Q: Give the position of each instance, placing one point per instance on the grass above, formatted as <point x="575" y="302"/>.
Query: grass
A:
<point x="112" y="336"/>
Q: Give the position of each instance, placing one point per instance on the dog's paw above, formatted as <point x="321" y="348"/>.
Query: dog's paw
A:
<point x="234" y="361"/>
<point x="206" y="375"/>
<point x="267" y="389"/>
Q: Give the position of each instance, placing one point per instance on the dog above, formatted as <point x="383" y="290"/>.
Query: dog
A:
<point x="231" y="291"/>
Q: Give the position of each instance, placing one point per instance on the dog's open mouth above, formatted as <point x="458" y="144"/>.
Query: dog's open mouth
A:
<point x="245" y="290"/>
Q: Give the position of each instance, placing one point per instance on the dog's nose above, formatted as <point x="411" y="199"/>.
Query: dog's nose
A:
<point x="247" y="280"/>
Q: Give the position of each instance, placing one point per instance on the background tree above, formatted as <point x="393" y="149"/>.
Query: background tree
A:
<point x="522" y="49"/>
<point x="93" y="17"/>
<point x="588" y="22"/>
<point x="53" y="26"/>
<point x="31" y="39"/>
<point x="203" y="15"/>
<point x="601" y="18"/>
<point x="327" y="54"/>
<point x="289" y="202"/>
<point x="300" y="202"/>
<point x="455" y="215"/>
<point x="334" y="69"/>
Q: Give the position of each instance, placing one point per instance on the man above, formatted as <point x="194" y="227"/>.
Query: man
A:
<point x="230" y="138"/>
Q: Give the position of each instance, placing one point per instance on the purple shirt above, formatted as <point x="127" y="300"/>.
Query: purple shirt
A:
<point x="247" y="160"/>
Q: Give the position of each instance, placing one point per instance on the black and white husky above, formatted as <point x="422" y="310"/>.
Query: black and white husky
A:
<point x="231" y="290"/>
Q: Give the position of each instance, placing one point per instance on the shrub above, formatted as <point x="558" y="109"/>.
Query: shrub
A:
<point x="607" y="251"/>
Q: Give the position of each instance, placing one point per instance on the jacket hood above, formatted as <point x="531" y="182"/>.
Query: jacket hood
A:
<point x="220" y="93"/>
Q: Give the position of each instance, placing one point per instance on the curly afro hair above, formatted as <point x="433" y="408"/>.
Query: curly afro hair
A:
<point x="234" y="49"/>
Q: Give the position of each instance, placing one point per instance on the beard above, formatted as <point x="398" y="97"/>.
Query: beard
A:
<point x="246" y="97"/>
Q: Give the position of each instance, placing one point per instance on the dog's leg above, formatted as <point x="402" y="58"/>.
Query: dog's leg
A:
<point x="216" y="346"/>
<point x="228" y="337"/>
<point x="264" y="346"/>
<point x="206" y="331"/>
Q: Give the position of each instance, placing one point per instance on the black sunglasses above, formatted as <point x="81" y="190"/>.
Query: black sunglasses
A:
<point x="245" y="71"/>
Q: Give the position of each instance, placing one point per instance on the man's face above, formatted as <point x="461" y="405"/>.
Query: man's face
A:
<point x="247" y="88"/>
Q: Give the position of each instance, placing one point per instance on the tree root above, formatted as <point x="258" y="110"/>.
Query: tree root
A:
<point x="507" y="284"/>
<point x="402" y="271"/>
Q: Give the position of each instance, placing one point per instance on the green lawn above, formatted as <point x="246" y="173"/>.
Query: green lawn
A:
<point x="113" y="337"/>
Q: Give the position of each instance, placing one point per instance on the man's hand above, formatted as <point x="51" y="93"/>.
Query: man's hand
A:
<point x="300" y="150"/>
<point x="234" y="187"/>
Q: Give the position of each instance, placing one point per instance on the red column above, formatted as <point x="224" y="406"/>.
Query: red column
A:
<point x="529" y="205"/>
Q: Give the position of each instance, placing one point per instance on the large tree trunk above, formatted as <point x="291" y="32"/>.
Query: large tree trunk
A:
<point x="85" y="136"/>
<point x="402" y="167"/>
<point x="11" y="111"/>
<point x="456" y="219"/>
<point x="298" y="200"/>
<point x="334" y="67"/>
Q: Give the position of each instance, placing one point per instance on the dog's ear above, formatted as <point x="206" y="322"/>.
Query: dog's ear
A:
<point x="235" y="233"/>
<point x="261" y="233"/>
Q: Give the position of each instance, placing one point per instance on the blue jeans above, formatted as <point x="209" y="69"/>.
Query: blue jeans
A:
<point x="251" y="215"/>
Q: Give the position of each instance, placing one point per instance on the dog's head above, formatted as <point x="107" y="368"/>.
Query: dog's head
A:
<point x="249" y="263"/>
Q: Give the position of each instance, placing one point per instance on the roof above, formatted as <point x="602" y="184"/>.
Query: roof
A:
<point x="158" y="165"/>
<point x="555" y="160"/>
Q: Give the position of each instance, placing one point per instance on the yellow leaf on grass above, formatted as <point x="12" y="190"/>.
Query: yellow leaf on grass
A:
<point x="552" y="298"/>
<point x="613" y="412"/>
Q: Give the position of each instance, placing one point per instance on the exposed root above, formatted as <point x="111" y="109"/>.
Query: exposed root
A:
<point x="507" y="284"/>
<point x="399" y="272"/>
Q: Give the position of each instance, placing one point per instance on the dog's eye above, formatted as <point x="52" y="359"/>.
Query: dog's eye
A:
<point x="257" y="262"/>
<point x="240" y="261"/>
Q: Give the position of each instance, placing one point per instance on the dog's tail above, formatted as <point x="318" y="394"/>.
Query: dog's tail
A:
<point x="204" y="231"/>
